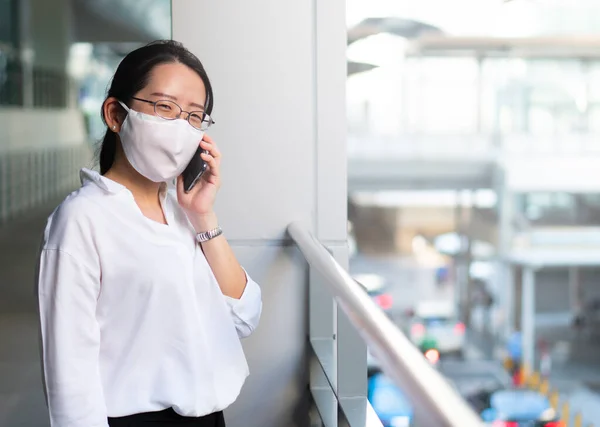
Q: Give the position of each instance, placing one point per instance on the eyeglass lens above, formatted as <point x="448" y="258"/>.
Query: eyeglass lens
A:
<point x="171" y="111"/>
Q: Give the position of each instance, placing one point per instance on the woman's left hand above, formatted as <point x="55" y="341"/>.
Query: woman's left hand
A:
<point x="201" y="198"/>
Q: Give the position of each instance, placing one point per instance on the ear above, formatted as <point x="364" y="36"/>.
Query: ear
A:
<point x="114" y="114"/>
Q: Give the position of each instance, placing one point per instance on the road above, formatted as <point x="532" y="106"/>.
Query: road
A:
<point x="576" y="370"/>
<point x="408" y="283"/>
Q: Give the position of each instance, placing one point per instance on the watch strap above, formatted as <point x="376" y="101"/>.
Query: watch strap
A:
<point x="205" y="236"/>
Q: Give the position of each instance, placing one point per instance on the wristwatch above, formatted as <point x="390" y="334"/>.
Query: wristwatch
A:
<point x="205" y="236"/>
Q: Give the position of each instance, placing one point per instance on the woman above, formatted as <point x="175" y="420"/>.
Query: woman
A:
<point x="142" y="302"/>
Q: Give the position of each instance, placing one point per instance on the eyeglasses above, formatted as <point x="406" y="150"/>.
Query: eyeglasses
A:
<point x="169" y="110"/>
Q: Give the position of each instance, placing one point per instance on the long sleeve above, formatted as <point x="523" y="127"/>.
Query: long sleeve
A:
<point x="246" y="310"/>
<point x="67" y="293"/>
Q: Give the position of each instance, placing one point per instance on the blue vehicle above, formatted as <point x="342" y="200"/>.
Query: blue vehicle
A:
<point x="520" y="408"/>
<point x="390" y="404"/>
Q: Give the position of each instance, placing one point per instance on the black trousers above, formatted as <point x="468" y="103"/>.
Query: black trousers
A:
<point x="167" y="418"/>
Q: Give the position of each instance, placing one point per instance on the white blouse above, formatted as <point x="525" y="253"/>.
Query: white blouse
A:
<point x="132" y="317"/>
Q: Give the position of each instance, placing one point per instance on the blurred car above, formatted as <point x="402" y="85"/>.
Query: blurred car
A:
<point x="520" y="408"/>
<point x="378" y="291"/>
<point x="437" y="320"/>
<point x="428" y="348"/>
<point x="389" y="402"/>
<point x="476" y="380"/>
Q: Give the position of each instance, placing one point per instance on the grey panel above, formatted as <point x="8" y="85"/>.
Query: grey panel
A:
<point x="276" y="393"/>
<point x="331" y="162"/>
<point x="552" y="291"/>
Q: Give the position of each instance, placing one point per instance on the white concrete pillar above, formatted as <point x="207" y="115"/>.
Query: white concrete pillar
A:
<point x="279" y="75"/>
<point x="479" y="95"/>
<point x="457" y="273"/>
<point x="51" y="29"/>
<point x="508" y="300"/>
<point x="26" y="51"/>
<point x="45" y="38"/>
<point x="404" y="96"/>
<point x="505" y="240"/>
<point x="528" y="316"/>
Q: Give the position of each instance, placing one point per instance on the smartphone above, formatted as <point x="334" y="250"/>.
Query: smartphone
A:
<point x="194" y="170"/>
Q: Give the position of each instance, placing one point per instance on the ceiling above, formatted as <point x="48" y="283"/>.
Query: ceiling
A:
<point x="135" y="21"/>
<point x="401" y="27"/>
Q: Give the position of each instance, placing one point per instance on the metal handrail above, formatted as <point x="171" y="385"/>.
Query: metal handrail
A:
<point x="436" y="403"/>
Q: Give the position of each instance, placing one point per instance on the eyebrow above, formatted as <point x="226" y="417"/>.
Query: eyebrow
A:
<point x="164" y="95"/>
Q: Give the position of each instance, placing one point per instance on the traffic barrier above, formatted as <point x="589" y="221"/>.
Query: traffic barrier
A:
<point x="554" y="396"/>
<point x="534" y="381"/>
<point x="523" y="375"/>
<point x="564" y="414"/>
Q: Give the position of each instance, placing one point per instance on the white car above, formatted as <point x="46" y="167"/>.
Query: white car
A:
<point x="436" y="321"/>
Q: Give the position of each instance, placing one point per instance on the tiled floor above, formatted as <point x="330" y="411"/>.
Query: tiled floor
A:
<point x="22" y="401"/>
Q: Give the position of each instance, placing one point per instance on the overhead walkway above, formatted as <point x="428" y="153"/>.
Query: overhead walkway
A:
<point x="523" y="162"/>
<point x="449" y="162"/>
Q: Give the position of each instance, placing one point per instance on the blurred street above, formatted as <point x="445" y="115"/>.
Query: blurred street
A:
<point x="576" y="362"/>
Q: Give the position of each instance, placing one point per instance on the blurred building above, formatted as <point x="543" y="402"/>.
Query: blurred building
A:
<point x="486" y="115"/>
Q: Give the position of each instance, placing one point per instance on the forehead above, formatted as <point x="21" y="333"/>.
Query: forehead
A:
<point x="177" y="80"/>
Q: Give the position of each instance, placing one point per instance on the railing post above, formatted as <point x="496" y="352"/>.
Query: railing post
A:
<point x="565" y="414"/>
<point x="322" y="314"/>
<point x="351" y="360"/>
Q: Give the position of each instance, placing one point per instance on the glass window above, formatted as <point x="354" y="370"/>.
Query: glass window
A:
<point x="8" y="24"/>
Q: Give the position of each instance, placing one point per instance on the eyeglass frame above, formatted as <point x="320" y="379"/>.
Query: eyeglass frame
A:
<point x="181" y="110"/>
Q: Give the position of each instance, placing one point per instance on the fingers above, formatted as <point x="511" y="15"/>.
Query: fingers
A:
<point x="213" y="165"/>
<point x="213" y="159"/>
<point x="208" y="144"/>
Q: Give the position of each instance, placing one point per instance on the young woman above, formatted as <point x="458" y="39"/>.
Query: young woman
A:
<point x="142" y="301"/>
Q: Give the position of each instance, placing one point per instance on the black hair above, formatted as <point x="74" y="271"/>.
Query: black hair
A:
<point x="132" y="76"/>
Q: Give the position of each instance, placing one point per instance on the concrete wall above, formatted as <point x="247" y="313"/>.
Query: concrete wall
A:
<point x="279" y="71"/>
<point x="27" y="129"/>
<point x="388" y="230"/>
<point x="376" y="229"/>
<point x="552" y="291"/>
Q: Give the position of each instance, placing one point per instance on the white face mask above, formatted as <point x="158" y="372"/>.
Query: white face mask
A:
<point x="158" y="149"/>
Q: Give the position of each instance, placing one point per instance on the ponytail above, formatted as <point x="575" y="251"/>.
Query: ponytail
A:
<point x="108" y="151"/>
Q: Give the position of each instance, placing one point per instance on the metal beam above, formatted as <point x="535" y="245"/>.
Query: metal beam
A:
<point x="557" y="47"/>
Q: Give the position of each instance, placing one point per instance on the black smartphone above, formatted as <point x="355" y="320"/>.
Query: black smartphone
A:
<point x="194" y="170"/>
